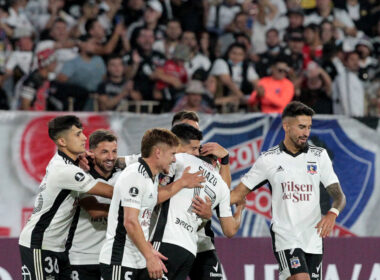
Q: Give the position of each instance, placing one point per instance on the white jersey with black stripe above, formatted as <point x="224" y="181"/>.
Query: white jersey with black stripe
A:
<point x="294" y="181"/>
<point x="205" y="235"/>
<point x="86" y="233"/>
<point x="181" y="222"/>
<point x="55" y="205"/>
<point x="135" y="188"/>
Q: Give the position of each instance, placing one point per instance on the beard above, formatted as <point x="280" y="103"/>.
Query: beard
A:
<point x="101" y="164"/>
<point x="299" y="145"/>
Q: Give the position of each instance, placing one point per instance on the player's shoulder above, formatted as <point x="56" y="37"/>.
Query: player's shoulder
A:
<point x="61" y="164"/>
<point x="137" y="171"/>
<point x="275" y="150"/>
<point x="315" y="150"/>
<point x="184" y="159"/>
<point x="183" y="156"/>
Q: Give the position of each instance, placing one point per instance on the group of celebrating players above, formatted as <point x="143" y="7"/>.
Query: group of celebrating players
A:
<point x="148" y="216"/>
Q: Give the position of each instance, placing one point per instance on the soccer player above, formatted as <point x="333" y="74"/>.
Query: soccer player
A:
<point x="88" y="230"/>
<point x="175" y="233"/>
<point x="207" y="265"/>
<point x="127" y="254"/>
<point x="294" y="170"/>
<point x="42" y="241"/>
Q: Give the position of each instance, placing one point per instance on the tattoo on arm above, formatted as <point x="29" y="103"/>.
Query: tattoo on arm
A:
<point x="339" y="199"/>
<point x="120" y="163"/>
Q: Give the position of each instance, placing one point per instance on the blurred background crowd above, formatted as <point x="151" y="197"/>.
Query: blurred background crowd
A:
<point x="203" y="55"/>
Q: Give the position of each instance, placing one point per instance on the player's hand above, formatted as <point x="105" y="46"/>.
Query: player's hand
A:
<point x="240" y="205"/>
<point x="213" y="148"/>
<point x="192" y="180"/>
<point x="84" y="160"/>
<point x="155" y="266"/>
<point x="326" y="225"/>
<point x="162" y="258"/>
<point x="202" y="208"/>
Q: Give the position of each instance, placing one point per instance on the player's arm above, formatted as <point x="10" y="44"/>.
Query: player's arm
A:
<point x="336" y="193"/>
<point x="135" y="233"/>
<point x="71" y="177"/>
<point x="230" y="225"/>
<point x="225" y="173"/>
<point x="326" y="225"/>
<point x="252" y="180"/>
<point x="94" y="207"/>
<point x="101" y="189"/>
<point x="213" y="148"/>
<point x="187" y="180"/>
<point x="239" y="193"/>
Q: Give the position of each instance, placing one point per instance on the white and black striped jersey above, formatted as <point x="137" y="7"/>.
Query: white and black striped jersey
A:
<point x="87" y="234"/>
<point x="294" y="181"/>
<point x="55" y="205"/>
<point x="177" y="223"/>
<point x="136" y="188"/>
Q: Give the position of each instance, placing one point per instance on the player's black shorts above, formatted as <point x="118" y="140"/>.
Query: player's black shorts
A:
<point x="37" y="264"/>
<point x="295" y="261"/>
<point x="85" y="272"/>
<point x="118" y="272"/>
<point x="179" y="261"/>
<point x="206" y="267"/>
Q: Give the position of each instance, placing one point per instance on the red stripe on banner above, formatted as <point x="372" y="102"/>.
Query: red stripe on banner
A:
<point x="5" y="231"/>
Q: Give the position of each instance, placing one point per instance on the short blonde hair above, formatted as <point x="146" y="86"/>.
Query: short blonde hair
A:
<point x="155" y="136"/>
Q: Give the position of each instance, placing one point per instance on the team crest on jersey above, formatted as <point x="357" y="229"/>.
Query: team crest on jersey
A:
<point x="79" y="176"/>
<point x="312" y="169"/>
<point x="295" y="262"/>
<point x="133" y="191"/>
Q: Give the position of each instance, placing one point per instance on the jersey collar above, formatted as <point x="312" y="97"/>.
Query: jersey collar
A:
<point x="96" y="174"/>
<point x="67" y="158"/>
<point x="284" y="149"/>
<point x="146" y="168"/>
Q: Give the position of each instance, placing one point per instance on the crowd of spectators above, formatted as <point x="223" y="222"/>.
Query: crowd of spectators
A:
<point x="203" y="55"/>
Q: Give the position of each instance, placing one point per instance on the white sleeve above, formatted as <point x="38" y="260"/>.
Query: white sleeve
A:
<point x="132" y="188"/>
<point x="131" y="159"/>
<point x="220" y="67"/>
<point x="224" y="204"/>
<point x="256" y="176"/>
<point x="327" y="173"/>
<point x="71" y="177"/>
